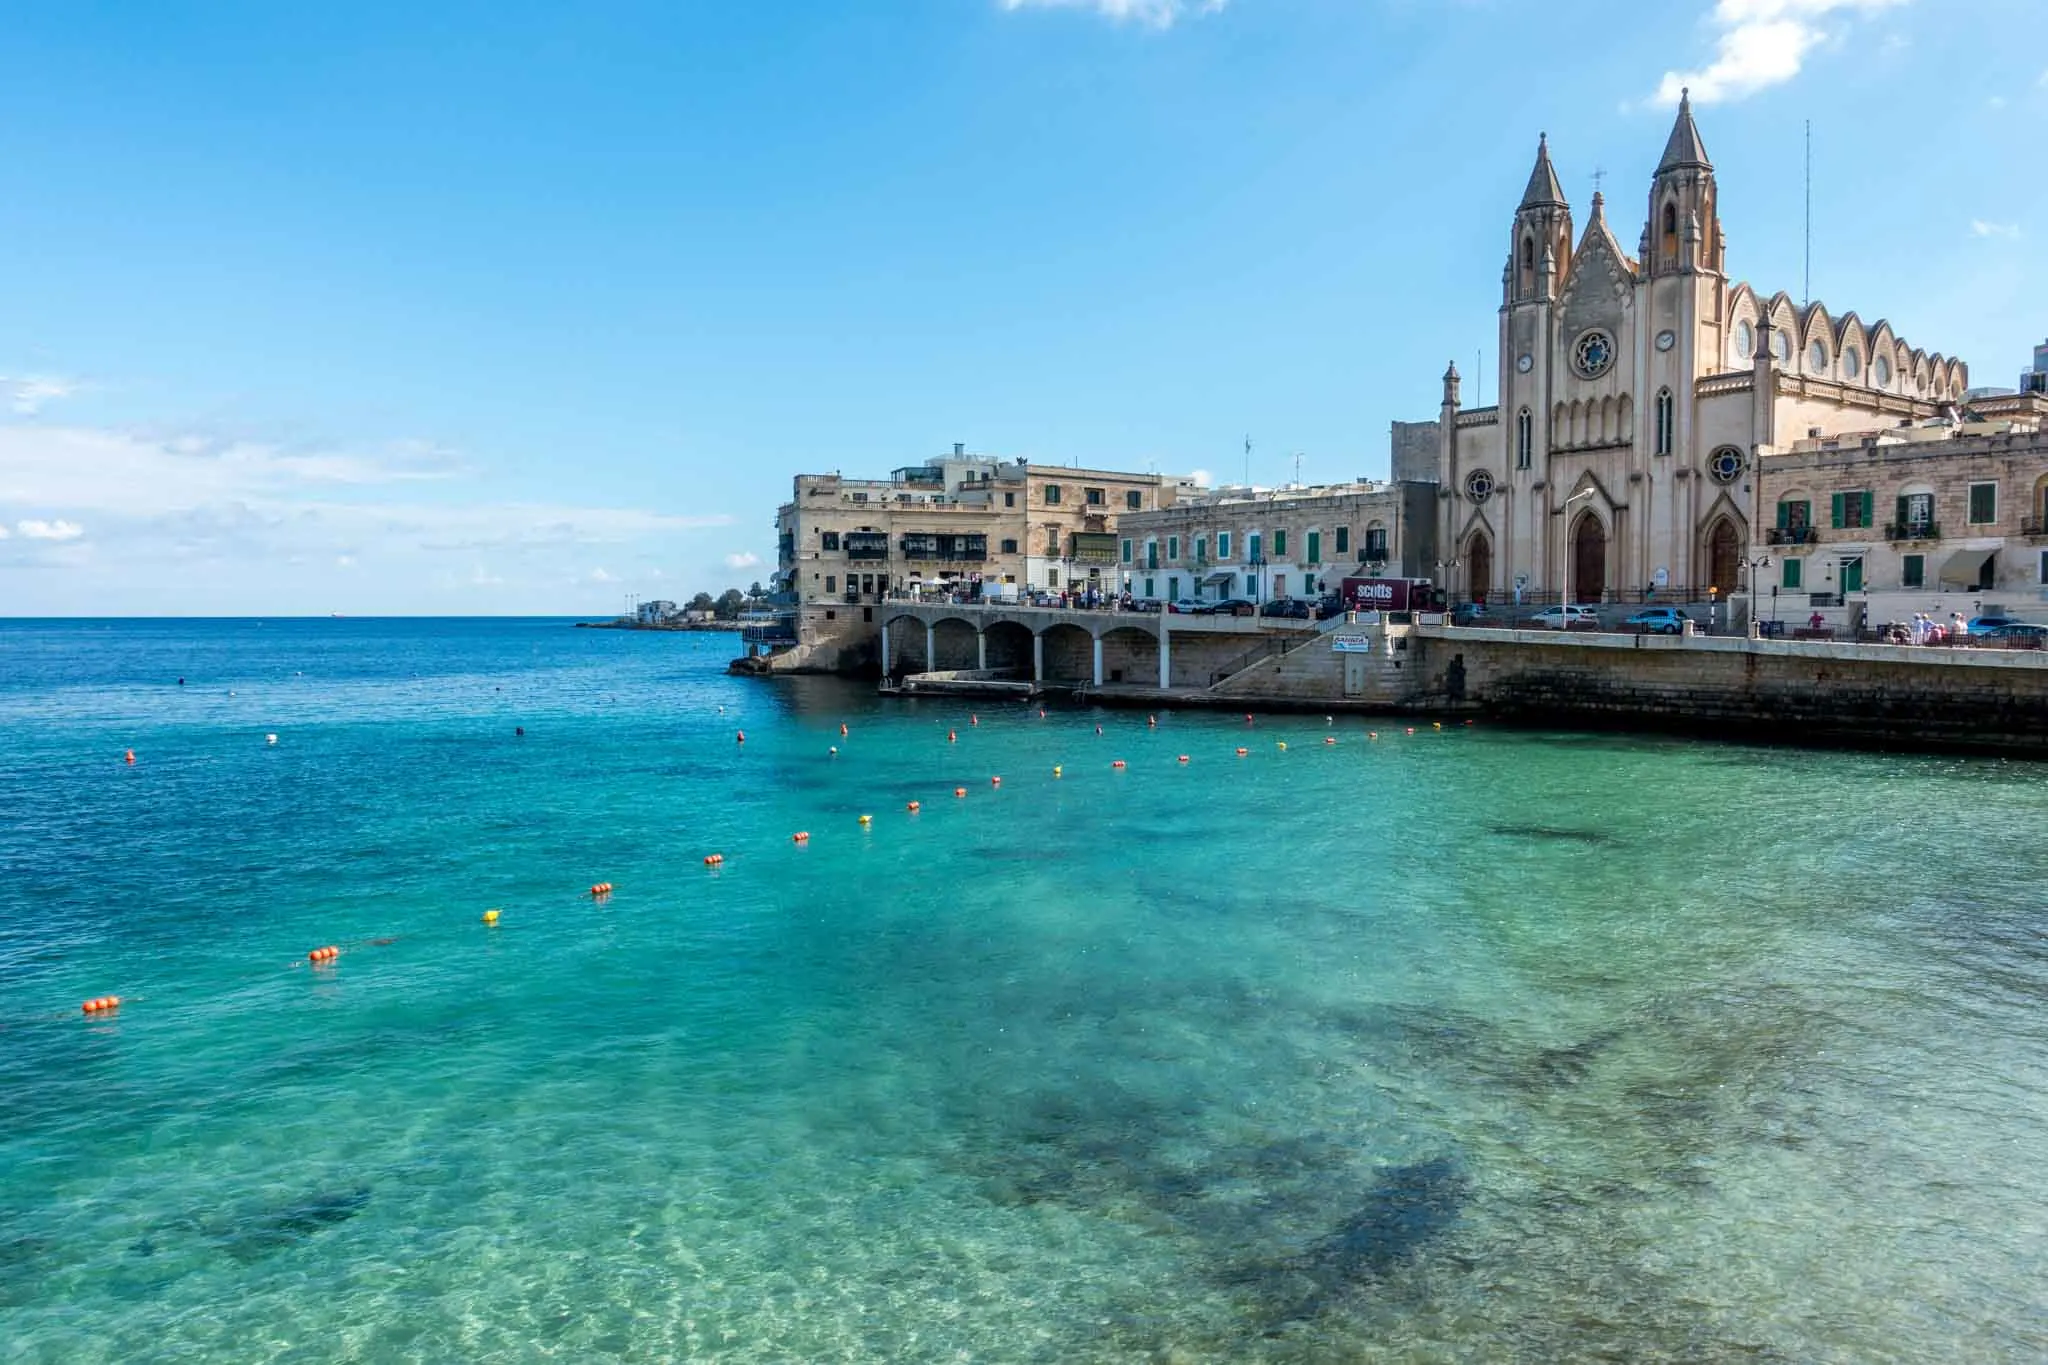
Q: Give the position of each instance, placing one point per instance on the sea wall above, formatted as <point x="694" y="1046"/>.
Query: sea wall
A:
<point x="1976" y="699"/>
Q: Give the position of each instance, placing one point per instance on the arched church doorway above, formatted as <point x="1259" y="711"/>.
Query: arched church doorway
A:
<point x="1478" y="566"/>
<point x="1724" y="557"/>
<point x="1589" y="559"/>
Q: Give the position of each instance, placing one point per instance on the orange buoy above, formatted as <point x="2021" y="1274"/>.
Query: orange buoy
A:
<point x="1411" y="729"/>
<point x="973" y="719"/>
<point x="1117" y="763"/>
<point x="1329" y="739"/>
<point x="800" y="837"/>
<point x="959" y="791"/>
<point x="914" y="807"/>
<point x="1247" y="718"/>
<point x="995" y="781"/>
<point x="1468" y="722"/>
<point x="1242" y="752"/>
<point x="131" y="756"/>
<point x="1041" y="713"/>
<point x="952" y="736"/>
<point x="1183" y="758"/>
<point x="1152" y="720"/>
<point x="1098" y="729"/>
<point x="100" y="1004"/>
<point x="714" y="860"/>
<point x="742" y="738"/>
<point x="323" y="955"/>
<point x="1372" y="734"/>
<point x="842" y="729"/>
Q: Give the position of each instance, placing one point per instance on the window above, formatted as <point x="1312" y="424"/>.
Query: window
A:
<point x="1343" y="540"/>
<point x="1094" y="497"/>
<point x="828" y="540"/>
<point x="1670" y="228"/>
<point x="1251" y="585"/>
<point x="1795" y="516"/>
<point x="1817" y="358"/>
<point x="1279" y="585"/>
<point x="1151" y="554"/>
<point x="1912" y="571"/>
<point x="1052" y="578"/>
<point x="1881" y="372"/>
<point x="1852" y="573"/>
<point x="1525" y="439"/>
<point x="1781" y="342"/>
<point x="831" y="583"/>
<point x="1052" y="495"/>
<point x="1173" y="547"/>
<point x="1915" y="511"/>
<point x="1223" y="544"/>
<point x="1315" y="548"/>
<point x="1724" y="465"/>
<point x="1279" y="545"/>
<point x="1792" y="571"/>
<point x="1010" y="548"/>
<point x="1850" y="510"/>
<point x="1127" y="551"/>
<point x="1375" y="541"/>
<point x="1052" y="541"/>
<point x="1666" y="424"/>
<point x="1150" y="585"/>
<point x="1983" y="504"/>
<point x="1852" y="364"/>
<point x="1009" y="499"/>
<point x="2044" y="566"/>
<point x="1251" y="547"/>
<point x="1133" y="501"/>
<point x="1745" y="340"/>
<point x="1201" y="549"/>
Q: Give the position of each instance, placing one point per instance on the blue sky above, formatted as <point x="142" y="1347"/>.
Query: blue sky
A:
<point x="480" y="308"/>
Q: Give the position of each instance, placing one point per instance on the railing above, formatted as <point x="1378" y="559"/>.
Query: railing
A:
<point x="1912" y="530"/>
<point x="1790" y="535"/>
<point x="2034" y="526"/>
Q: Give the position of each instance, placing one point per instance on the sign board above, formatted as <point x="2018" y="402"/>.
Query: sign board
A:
<point x="1385" y="594"/>
<point x="1662" y="578"/>
<point x="1344" y="643"/>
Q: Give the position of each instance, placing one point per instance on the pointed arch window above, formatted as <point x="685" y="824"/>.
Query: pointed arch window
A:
<point x="1528" y="264"/>
<point x="1525" y="439"/>
<point x="1670" y="228"/>
<point x="1667" y="424"/>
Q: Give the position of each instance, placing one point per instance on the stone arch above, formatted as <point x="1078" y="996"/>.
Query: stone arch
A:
<point x="1560" y="426"/>
<point x="955" y="644"/>
<point x="1624" y="418"/>
<point x="1587" y="548"/>
<point x="1009" y="646"/>
<point x="1606" y="420"/>
<point x="2037" y="505"/>
<point x="1477" y="556"/>
<point x="1069" y="653"/>
<point x="1575" y="430"/>
<point x="1721" y="555"/>
<point x="1130" y="655"/>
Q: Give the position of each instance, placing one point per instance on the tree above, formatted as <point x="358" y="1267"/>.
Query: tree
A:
<point x="729" y="604"/>
<point x="755" y="592"/>
<point x="702" y="602"/>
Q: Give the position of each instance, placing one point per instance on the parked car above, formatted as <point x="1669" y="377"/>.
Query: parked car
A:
<point x="1293" y="608"/>
<point x="1236" y="606"/>
<point x="1188" y="606"/>
<point x="2020" y="635"/>
<point x="1470" y="614"/>
<point x="1658" y="621"/>
<point x="1147" y="604"/>
<point x="1566" y="618"/>
<point x="1330" y="605"/>
<point x="1985" y="625"/>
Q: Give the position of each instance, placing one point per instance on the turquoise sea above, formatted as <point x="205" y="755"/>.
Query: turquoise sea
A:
<point x="1460" y="1045"/>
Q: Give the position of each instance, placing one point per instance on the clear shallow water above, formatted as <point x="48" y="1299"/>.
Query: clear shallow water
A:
<point x="1468" y="1045"/>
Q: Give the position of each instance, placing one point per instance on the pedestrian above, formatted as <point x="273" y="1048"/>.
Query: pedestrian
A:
<point x="1958" y="633"/>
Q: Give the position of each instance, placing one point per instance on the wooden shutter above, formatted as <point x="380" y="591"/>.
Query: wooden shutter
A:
<point x="1784" y="515"/>
<point x="1835" y="510"/>
<point x="1867" y="503"/>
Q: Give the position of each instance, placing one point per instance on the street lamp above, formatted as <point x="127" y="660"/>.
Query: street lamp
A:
<point x="1445" y="568"/>
<point x="1562" y="511"/>
<point x="1755" y="563"/>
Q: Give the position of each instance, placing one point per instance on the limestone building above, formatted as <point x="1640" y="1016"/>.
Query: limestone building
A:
<point x="1636" y="392"/>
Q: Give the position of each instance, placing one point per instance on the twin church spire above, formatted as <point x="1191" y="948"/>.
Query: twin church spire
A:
<point x="1682" y="234"/>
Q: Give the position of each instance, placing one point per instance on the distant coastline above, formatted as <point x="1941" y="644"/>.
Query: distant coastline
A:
<point x="657" y="625"/>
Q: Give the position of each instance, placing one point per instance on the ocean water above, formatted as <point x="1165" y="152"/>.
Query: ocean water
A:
<point x="1459" y="1045"/>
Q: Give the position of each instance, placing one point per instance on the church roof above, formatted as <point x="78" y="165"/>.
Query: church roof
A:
<point x="1684" y="149"/>
<point x="1543" y="187"/>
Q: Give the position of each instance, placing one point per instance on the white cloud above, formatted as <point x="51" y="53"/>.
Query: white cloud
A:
<point x="1759" y="44"/>
<point x="4" y="533"/>
<point x="599" y="576"/>
<point x="484" y="578"/>
<point x="1200" y="476"/>
<point x="344" y="561"/>
<point x="50" y="530"/>
<point x="26" y="394"/>
<point x="1150" y="13"/>
<point x="745" y="559"/>
<point x="2006" y="231"/>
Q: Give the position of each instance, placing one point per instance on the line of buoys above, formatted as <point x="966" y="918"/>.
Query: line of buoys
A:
<point x="601" y="890"/>
<point x="490" y="917"/>
<point x="802" y="836"/>
<point x="714" y="860"/>
<point x="101" y="1004"/>
<point x="323" y="954"/>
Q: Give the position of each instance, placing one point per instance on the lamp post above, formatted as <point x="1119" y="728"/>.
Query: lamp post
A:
<point x="1755" y="563"/>
<point x="1565" y="511"/>
<point x="1444" y="569"/>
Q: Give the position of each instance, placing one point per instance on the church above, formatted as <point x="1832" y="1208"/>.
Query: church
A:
<point x="1637" y="393"/>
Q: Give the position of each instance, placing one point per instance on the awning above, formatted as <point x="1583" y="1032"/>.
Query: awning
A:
<point x="1220" y="576"/>
<point x="1965" y="568"/>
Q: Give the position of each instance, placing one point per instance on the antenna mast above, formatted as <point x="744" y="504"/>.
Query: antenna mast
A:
<point x="1809" y="211"/>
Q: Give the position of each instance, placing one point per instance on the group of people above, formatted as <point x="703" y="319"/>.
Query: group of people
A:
<point x="1927" y="629"/>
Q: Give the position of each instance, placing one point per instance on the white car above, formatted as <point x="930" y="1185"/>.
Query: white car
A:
<point x="1566" y="618"/>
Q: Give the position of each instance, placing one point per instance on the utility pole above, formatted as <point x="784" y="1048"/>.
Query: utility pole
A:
<point x="1809" y="212"/>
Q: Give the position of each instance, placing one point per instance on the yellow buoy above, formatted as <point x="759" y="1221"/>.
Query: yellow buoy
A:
<point x="490" y="917"/>
<point x="867" y="819"/>
<point x="1283" y="743"/>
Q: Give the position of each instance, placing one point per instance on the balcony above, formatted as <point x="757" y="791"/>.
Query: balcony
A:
<point x="1090" y="547"/>
<point x="1790" y="535"/>
<point x="1912" y="530"/>
<point x="866" y="544"/>
<point x="948" y="549"/>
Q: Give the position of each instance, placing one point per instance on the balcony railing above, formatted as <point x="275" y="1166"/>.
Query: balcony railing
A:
<point x="1912" y="530"/>
<point x="866" y="545"/>
<point x="1789" y="535"/>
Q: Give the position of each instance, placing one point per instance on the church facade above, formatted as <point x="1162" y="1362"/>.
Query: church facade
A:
<point x="1638" y="393"/>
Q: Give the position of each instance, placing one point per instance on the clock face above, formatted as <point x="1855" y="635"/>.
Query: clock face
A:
<point x="1666" y="340"/>
<point x="1524" y="361"/>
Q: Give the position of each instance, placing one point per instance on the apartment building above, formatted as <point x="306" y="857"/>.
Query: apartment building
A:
<point x="962" y="523"/>
<point x="1264" y="544"/>
<point x="1942" y="516"/>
